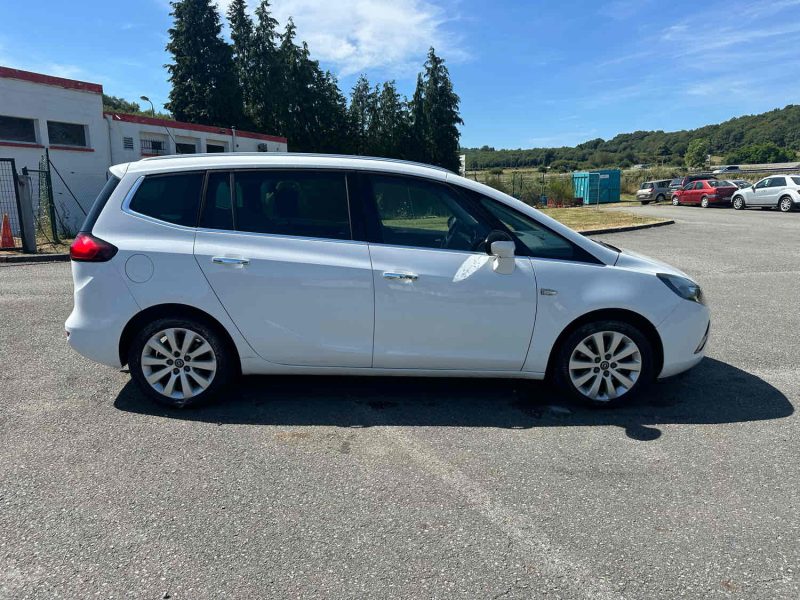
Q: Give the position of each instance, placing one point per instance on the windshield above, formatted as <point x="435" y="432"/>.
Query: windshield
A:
<point x="675" y="182"/>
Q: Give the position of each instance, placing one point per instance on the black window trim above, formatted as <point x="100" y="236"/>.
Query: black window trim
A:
<point x="232" y="171"/>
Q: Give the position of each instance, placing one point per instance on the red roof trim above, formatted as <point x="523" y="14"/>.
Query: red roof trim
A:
<point x="70" y="84"/>
<point x="142" y="120"/>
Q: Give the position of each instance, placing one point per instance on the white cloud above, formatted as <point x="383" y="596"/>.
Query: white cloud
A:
<point x="353" y="36"/>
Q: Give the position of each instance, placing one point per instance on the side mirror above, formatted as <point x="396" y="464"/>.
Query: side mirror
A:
<point x="502" y="249"/>
<point x="500" y="245"/>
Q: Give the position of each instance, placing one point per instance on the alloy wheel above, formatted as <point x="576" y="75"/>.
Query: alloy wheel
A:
<point x="704" y="202"/>
<point x="178" y="363"/>
<point x="738" y="203"/>
<point x="605" y="365"/>
<point x="786" y="204"/>
<point x="675" y="201"/>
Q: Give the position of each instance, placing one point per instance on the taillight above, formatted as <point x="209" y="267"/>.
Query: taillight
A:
<point x="88" y="248"/>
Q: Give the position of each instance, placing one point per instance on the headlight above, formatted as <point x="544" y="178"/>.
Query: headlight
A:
<point x="685" y="288"/>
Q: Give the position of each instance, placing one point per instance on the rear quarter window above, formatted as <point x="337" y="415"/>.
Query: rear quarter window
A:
<point x="99" y="204"/>
<point x="170" y="198"/>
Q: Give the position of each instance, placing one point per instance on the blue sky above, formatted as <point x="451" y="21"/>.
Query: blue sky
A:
<point x="535" y="73"/>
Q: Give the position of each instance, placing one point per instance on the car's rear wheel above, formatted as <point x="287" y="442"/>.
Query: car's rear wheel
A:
<point x="738" y="203"/>
<point x="785" y="204"/>
<point x="645" y="202"/>
<point x="660" y="198"/>
<point x="675" y="201"/>
<point x="179" y="362"/>
<point x="604" y="363"/>
<point x="704" y="201"/>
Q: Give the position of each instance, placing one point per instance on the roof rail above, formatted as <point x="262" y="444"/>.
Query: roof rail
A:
<point x="309" y="154"/>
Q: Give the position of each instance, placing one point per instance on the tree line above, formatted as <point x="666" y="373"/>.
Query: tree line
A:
<point x="265" y="80"/>
<point x="774" y="135"/>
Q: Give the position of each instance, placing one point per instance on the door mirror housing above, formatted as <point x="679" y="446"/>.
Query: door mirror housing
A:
<point x="502" y="249"/>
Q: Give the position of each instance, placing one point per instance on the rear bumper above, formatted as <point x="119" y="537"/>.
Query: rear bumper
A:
<point x="684" y="336"/>
<point x="103" y="306"/>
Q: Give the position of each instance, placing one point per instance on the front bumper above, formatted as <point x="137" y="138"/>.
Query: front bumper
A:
<point x="684" y="337"/>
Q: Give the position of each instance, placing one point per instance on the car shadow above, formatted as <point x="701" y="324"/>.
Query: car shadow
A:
<point x="713" y="392"/>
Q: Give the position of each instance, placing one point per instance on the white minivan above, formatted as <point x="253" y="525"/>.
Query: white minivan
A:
<point x="195" y="269"/>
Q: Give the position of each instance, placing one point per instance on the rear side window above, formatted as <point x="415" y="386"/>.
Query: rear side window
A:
<point x="99" y="204"/>
<point x="218" y="209"/>
<point x="777" y="182"/>
<point x="171" y="198"/>
<point x="796" y="180"/>
<point x="298" y="203"/>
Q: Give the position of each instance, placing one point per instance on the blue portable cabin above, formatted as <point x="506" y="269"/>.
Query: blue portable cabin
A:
<point x="601" y="186"/>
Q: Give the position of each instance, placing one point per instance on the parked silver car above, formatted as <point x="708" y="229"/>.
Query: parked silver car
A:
<point x="653" y="191"/>
<point x="776" y="191"/>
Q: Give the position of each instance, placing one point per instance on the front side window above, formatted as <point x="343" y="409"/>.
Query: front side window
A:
<point x="538" y="239"/>
<point x="171" y="198"/>
<point x="299" y="203"/>
<point x="424" y="214"/>
<point x="762" y="184"/>
<point x="15" y="129"/>
<point x="66" y="134"/>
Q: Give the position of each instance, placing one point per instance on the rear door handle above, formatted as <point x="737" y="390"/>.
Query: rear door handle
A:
<point x="227" y="260"/>
<point x="401" y="276"/>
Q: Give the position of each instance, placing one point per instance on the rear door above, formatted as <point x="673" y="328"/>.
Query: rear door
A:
<point x="774" y="191"/>
<point x="439" y="303"/>
<point x="278" y="250"/>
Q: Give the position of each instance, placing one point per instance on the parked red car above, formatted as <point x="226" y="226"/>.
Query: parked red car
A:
<point x="705" y="193"/>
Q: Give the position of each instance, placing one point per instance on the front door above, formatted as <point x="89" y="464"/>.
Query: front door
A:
<point x="277" y="249"/>
<point x="761" y="193"/>
<point x="439" y="302"/>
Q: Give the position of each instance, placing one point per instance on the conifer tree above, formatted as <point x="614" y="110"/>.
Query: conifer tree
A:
<point x="243" y="37"/>
<point x="440" y="107"/>
<point x="204" y="86"/>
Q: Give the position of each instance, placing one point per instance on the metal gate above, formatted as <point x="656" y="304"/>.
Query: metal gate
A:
<point x="44" y="212"/>
<point x="9" y="198"/>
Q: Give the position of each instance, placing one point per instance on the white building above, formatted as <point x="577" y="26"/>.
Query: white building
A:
<point x="66" y="117"/>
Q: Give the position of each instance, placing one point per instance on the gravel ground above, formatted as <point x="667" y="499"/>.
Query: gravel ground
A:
<point x="383" y="488"/>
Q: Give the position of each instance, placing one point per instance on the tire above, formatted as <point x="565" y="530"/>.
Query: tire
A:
<point x="704" y="201"/>
<point x="785" y="204"/>
<point x="573" y="372"/>
<point x="675" y="201"/>
<point x="645" y="202"/>
<point x="660" y="198"/>
<point x="738" y="203"/>
<point x="190" y="383"/>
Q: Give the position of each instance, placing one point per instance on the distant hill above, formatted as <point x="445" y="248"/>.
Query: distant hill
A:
<point x="775" y="133"/>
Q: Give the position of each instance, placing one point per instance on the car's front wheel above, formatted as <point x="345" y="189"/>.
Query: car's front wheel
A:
<point x="675" y="201"/>
<point x="738" y="203"/>
<point x="179" y="362"/>
<point x="604" y="363"/>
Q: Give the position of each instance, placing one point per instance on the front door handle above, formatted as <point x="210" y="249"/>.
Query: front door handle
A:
<point x="400" y="276"/>
<point x="227" y="260"/>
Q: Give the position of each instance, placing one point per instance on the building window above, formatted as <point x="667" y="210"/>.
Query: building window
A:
<point x="153" y="147"/>
<point x="127" y="143"/>
<point x="185" y="148"/>
<point x="215" y="148"/>
<point x="15" y="129"/>
<point x="66" y="134"/>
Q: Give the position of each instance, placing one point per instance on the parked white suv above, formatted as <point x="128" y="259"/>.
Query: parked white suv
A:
<point x="776" y="191"/>
<point x="194" y="269"/>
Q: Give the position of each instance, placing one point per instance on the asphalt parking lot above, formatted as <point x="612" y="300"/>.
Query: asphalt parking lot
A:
<point x="389" y="488"/>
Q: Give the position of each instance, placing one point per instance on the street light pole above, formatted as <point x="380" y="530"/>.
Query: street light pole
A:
<point x="152" y="108"/>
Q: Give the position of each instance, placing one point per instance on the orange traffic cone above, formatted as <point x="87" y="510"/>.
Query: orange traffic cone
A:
<point x="6" y="239"/>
